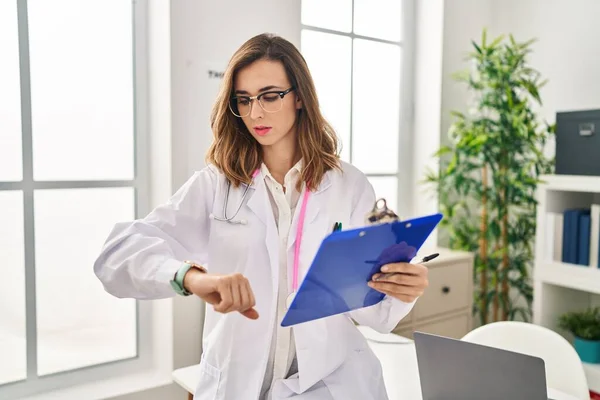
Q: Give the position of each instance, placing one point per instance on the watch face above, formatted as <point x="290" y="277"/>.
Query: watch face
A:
<point x="195" y="265"/>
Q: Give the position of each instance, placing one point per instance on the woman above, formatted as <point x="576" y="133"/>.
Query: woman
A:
<point x="232" y="235"/>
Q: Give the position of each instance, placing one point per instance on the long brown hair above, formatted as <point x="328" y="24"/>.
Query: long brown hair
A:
<point x="236" y="153"/>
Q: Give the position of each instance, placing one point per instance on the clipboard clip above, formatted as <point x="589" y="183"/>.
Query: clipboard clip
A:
<point x="381" y="214"/>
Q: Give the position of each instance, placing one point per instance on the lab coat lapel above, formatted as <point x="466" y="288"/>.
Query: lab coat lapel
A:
<point x="317" y="203"/>
<point x="259" y="204"/>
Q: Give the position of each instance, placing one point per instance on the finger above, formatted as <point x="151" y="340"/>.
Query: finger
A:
<point x="245" y="296"/>
<point x="236" y="295"/>
<point x="248" y="301"/>
<point x="405" y="268"/>
<point x="224" y="289"/>
<point x="213" y="298"/>
<point x="403" y="297"/>
<point x="377" y="276"/>
<point x="251" y="292"/>
<point x="383" y="277"/>
<point x="402" y="279"/>
<point x="251" y="313"/>
<point x="395" y="288"/>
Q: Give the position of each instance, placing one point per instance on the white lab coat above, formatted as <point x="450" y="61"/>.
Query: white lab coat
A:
<point x="334" y="360"/>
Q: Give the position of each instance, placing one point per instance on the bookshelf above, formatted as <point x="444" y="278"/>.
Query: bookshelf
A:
<point x="560" y="286"/>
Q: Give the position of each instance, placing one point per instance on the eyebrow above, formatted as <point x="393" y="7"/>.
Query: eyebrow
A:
<point x="260" y="90"/>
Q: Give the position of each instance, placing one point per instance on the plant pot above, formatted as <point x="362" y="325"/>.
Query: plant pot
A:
<point x="588" y="350"/>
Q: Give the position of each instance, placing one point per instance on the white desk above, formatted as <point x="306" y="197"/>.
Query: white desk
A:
<point x="402" y="383"/>
<point x="402" y="380"/>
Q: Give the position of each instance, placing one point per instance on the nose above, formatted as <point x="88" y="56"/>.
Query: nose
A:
<point x="256" y="110"/>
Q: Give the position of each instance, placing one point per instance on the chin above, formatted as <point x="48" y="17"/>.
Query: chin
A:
<point x="266" y="140"/>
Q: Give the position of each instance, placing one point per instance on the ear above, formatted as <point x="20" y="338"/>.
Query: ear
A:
<point x="298" y="103"/>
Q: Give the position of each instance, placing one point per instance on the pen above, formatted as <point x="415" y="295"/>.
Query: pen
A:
<point x="423" y="260"/>
<point x="429" y="257"/>
<point x="337" y="226"/>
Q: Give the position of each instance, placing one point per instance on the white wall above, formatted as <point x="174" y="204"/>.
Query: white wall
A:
<point x="429" y="39"/>
<point x="464" y="21"/>
<point x="444" y="29"/>
<point x="567" y="52"/>
<point x="204" y="34"/>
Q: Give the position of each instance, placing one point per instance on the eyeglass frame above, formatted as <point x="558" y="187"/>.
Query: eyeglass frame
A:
<point x="281" y="93"/>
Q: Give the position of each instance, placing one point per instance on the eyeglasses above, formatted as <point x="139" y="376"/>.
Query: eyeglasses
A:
<point x="271" y="102"/>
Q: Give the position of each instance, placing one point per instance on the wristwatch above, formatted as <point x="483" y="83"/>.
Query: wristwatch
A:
<point x="177" y="281"/>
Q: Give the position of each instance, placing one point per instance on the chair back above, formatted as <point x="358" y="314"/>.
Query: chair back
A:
<point x="564" y="369"/>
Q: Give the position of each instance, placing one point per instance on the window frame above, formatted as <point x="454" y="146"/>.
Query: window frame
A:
<point x="146" y="312"/>
<point x="405" y="169"/>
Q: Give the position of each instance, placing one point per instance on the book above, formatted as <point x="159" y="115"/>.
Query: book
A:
<point x="572" y="221"/>
<point x="595" y="236"/>
<point x="553" y="237"/>
<point x="558" y="236"/>
<point x="583" y="239"/>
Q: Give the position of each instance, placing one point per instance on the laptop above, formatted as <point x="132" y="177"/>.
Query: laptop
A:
<point x="452" y="369"/>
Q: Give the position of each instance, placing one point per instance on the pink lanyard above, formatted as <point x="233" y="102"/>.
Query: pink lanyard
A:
<point x="299" y="231"/>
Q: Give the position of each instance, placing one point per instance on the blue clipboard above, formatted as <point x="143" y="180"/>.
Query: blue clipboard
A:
<point x="336" y="281"/>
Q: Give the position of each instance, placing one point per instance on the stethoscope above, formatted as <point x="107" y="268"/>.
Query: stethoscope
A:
<point x="299" y="230"/>
<point x="231" y="219"/>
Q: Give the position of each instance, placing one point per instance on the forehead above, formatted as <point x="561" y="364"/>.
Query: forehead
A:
<point x="260" y="74"/>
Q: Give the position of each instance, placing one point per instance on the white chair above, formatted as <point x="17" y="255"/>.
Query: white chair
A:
<point x="564" y="370"/>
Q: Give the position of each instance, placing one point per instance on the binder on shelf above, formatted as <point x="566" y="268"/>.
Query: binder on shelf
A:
<point x="595" y="236"/>
<point x="583" y="240"/>
<point x="581" y="236"/>
<point x="569" y="254"/>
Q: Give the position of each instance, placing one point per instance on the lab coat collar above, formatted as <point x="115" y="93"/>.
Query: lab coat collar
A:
<point x="325" y="182"/>
<point x="296" y="169"/>
<point x="259" y="202"/>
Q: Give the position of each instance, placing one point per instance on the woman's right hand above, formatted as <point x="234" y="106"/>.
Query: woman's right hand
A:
<point x="226" y="293"/>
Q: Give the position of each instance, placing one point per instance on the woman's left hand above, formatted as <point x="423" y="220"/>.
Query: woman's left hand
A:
<point x="402" y="281"/>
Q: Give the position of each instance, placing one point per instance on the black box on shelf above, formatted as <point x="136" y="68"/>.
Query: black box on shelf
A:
<point x="578" y="143"/>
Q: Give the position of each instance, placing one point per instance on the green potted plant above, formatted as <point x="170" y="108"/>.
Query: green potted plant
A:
<point x="585" y="327"/>
<point x="489" y="172"/>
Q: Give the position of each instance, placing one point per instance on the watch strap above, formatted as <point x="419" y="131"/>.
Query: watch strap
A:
<point x="177" y="281"/>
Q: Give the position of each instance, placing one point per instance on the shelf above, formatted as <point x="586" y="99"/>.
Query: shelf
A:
<point x="572" y="276"/>
<point x="571" y="183"/>
<point x="592" y="374"/>
<point x="564" y="287"/>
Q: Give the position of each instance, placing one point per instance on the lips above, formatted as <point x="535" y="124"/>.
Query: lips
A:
<point x="262" y="130"/>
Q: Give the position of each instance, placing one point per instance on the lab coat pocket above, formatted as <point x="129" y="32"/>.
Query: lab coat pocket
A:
<point x="209" y="380"/>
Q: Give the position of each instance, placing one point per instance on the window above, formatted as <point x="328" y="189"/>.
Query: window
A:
<point x="71" y="165"/>
<point x="356" y="51"/>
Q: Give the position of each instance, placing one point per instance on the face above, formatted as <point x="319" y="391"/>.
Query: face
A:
<point x="265" y="76"/>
